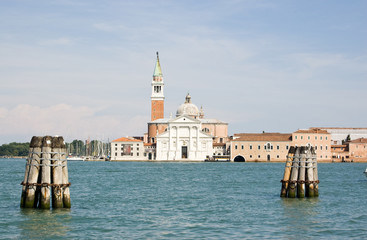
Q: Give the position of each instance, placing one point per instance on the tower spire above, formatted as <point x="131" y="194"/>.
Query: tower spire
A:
<point x="157" y="70"/>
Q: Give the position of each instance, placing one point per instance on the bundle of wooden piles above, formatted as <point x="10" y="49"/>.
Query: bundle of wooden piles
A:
<point x="300" y="174"/>
<point x="46" y="173"/>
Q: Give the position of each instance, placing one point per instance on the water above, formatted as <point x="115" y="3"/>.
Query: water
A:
<point x="145" y="200"/>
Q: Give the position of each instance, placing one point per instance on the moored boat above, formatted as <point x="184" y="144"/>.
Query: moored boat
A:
<point x="75" y="158"/>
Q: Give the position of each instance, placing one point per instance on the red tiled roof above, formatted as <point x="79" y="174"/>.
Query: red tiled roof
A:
<point x="261" y="137"/>
<point x="219" y="144"/>
<point x="338" y="146"/>
<point x="359" y="140"/>
<point x="124" y="139"/>
<point x="341" y="128"/>
<point x="149" y="144"/>
<point x="311" y="130"/>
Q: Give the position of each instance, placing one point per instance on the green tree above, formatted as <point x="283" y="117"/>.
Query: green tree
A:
<point x="14" y="149"/>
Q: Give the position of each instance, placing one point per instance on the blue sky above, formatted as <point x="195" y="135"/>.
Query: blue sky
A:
<point x="83" y="68"/>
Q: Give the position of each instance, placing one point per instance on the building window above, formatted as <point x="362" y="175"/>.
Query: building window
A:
<point x="320" y="156"/>
<point x="321" y="138"/>
<point x="295" y="137"/>
<point x="250" y="156"/>
<point x="308" y="137"/>
<point x="277" y="156"/>
<point x="326" y="147"/>
<point x="258" y="147"/>
<point x="315" y="137"/>
<point x="241" y="146"/>
<point x="235" y="146"/>
<point x="325" y="138"/>
<point x="137" y="154"/>
<point x="269" y="146"/>
<point x="115" y="144"/>
<point x="321" y="147"/>
<point x="115" y="149"/>
<point x="250" y="147"/>
<point x="116" y="154"/>
<point x="277" y="147"/>
<point x="287" y="147"/>
<point x="301" y="137"/>
<point x="258" y="156"/>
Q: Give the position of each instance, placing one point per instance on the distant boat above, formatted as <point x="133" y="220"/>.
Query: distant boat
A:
<point x="365" y="172"/>
<point x="75" y="158"/>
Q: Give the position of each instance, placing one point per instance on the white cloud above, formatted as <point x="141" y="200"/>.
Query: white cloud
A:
<point x="66" y="120"/>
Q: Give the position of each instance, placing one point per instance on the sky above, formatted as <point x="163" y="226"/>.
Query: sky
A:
<point x="83" y="69"/>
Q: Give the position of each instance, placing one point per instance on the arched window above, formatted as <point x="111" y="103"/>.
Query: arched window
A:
<point x="206" y="130"/>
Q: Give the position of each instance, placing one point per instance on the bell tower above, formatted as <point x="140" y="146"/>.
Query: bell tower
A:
<point x="157" y="98"/>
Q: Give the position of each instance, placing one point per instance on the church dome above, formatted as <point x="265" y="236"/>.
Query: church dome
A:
<point x="188" y="108"/>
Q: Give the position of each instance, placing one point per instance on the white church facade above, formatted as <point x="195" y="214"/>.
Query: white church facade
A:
<point x="184" y="140"/>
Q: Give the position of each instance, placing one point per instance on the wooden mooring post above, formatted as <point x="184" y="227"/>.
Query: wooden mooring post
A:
<point x="300" y="174"/>
<point x="46" y="175"/>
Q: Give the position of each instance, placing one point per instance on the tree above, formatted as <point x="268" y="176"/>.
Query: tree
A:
<point x="14" y="149"/>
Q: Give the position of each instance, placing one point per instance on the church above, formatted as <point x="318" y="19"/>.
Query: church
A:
<point x="187" y="136"/>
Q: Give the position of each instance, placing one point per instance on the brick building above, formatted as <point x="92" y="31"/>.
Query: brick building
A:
<point x="260" y="147"/>
<point x="314" y="137"/>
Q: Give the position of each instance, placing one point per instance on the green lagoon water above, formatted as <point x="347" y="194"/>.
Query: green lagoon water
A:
<point x="147" y="200"/>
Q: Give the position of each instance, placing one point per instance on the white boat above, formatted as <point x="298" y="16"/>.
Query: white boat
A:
<point x="75" y="158"/>
<point x="365" y="172"/>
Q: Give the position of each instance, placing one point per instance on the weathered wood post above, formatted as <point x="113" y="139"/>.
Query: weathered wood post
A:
<point x="302" y="173"/>
<point x="309" y="176"/>
<point x="46" y="173"/>
<point x="315" y="173"/>
<point x="287" y="172"/>
<point x="28" y="199"/>
<point x="57" y="193"/>
<point x="294" y="175"/>
<point x="46" y="167"/>
<point x="303" y="176"/>
<point x="65" y="178"/>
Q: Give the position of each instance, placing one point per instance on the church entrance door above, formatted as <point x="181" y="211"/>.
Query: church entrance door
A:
<point x="184" y="152"/>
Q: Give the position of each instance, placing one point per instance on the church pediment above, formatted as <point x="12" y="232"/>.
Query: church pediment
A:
<point x="184" y="119"/>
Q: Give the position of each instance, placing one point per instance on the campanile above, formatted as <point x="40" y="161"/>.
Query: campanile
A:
<point x="157" y="97"/>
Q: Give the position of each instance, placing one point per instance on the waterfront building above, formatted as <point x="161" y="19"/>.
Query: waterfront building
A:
<point x="221" y="149"/>
<point x="339" y="135"/>
<point x="260" y="147"/>
<point x="340" y="152"/>
<point x="127" y="149"/>
<point x="358" y="150"/>
<point x="314" y="137"/>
